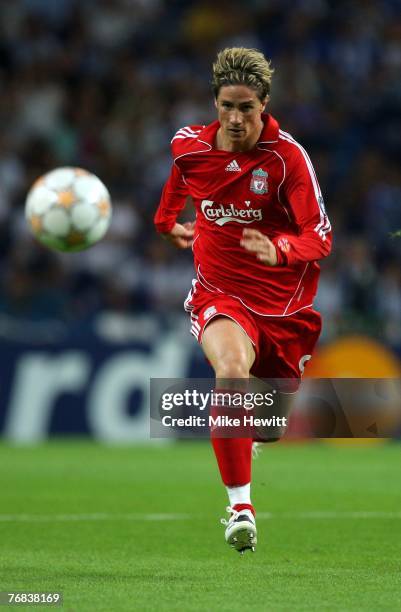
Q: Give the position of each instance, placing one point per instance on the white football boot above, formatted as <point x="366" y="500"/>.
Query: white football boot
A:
<point x="240" y="530"/>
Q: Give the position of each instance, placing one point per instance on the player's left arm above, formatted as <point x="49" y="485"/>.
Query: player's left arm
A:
<point x="301" y="195"/>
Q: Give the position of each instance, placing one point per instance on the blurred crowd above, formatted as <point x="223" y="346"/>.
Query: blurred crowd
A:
<point x="104" y="84"/>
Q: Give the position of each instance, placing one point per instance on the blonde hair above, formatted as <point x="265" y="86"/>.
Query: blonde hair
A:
<point x="241" y="66"/>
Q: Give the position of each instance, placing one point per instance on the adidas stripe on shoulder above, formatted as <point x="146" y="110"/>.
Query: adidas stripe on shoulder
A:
<point x="324" y="225"/>
<point x="187" y="132"/>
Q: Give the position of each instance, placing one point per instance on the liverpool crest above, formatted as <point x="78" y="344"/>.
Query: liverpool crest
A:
<point x="259" y="182"/>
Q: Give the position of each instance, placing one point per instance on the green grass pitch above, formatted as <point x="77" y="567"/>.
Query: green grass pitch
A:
<point x="137" y="528"/>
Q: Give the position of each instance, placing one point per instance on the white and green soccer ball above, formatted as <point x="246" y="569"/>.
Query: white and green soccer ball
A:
<point x="68" y="209"/>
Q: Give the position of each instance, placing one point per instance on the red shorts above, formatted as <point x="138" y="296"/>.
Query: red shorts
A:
<point x="282" y="345"/>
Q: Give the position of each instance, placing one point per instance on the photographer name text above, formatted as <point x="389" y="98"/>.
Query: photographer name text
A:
<point x="223" y="421"/>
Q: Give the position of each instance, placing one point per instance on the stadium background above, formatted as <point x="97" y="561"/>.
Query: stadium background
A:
<point x="104" y="84"/>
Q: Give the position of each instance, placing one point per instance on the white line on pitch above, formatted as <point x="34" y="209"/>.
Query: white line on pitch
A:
<point x="329" y="515"/>
<point x="105" y="516"/>
<point x="98" y="516"/>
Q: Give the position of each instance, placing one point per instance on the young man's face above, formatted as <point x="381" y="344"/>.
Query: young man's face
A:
<point x="239" y="112"/>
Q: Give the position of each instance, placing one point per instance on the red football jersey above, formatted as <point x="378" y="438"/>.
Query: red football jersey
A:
<point x="272" y="188"/>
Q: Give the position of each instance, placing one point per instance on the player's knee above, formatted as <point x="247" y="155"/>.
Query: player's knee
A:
<point x="233" y="367"/>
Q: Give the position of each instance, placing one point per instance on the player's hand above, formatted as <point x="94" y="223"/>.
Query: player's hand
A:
<point x="256" y="242"/>
<point x="182" y="235"/>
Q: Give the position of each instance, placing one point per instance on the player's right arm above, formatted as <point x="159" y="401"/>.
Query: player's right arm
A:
<point x="172" y="201"/>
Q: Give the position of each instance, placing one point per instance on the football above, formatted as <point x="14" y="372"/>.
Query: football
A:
<point x="68" y="209"/>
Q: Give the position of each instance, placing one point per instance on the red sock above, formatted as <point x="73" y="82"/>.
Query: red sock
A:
<point x="233" y="454"/>
<point x="234" y="458"/>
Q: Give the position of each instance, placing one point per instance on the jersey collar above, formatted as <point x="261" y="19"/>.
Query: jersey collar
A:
<point x="269" y="133"/>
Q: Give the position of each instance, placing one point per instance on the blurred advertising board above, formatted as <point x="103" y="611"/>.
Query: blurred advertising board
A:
<point x="91" y="380"/>
<point x="94" y="379"/>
